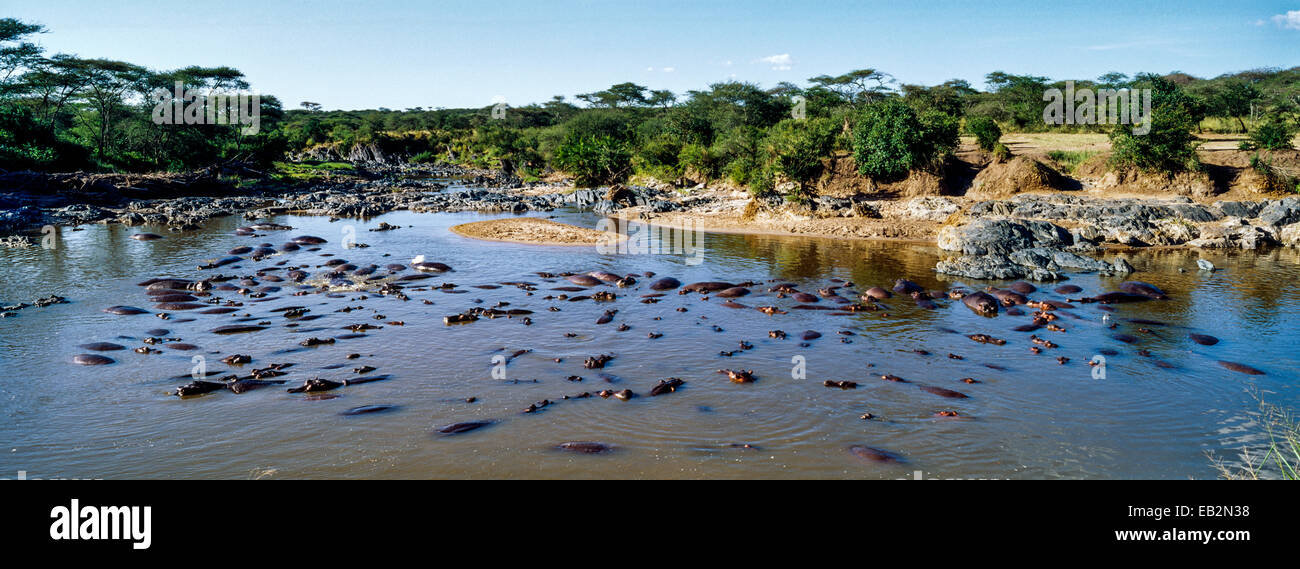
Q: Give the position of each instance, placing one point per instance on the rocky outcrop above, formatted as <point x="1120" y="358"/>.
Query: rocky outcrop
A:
<point x="1000" y="249"/>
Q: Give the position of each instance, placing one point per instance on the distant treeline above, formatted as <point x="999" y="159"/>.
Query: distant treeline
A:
<point x="65" y="112"/>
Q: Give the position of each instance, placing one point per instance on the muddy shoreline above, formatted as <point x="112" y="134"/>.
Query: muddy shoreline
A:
<point x="994" y="232"/>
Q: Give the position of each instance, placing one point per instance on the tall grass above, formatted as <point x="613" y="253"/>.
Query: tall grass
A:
<point x="1282" y="458"/>
<point x="1069" y="160"/>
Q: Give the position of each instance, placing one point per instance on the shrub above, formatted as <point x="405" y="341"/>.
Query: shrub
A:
<point x="1275" y="134"/>
<point x="986" y="132"/>
<point x="658" y="157"/>
<point x="1001" y="153"/>
<point x="425" y="157"/>
<point x="891" y="140"/>
<point x="795" y="148"/>
<point x="699" y="158"/>
<point x="1170" y="145"/>
<point x="594" y="160"/>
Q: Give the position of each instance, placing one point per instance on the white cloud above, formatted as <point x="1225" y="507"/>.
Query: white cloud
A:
<point x="1289" y="20"/>
<point x="669" y="69"/>
<point x="781" y="62"/>
<point x="650" y="69"/>
<point x="727" y="63"/>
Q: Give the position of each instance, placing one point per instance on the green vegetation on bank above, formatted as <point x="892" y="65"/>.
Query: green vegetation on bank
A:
<point x="63" y="112"/>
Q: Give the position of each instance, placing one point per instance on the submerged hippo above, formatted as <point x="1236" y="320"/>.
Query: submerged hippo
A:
<point x="873" y="454"/>
<point x="125" y="310"/>
<point x="146" y="237"/>
<point x="981" y="303"/>
<point x="1143" y="289"/>
<point x="666" y="283"/>
<point x="585" y="447"/>
<point x="459" y="428"/>
<point x="904" y="286"/>
<point x="877" y="293"/>
<point x="584" y="280"/>
<point x="733" y="292"/>
<point x="708" y="286"/>
<point x="92" y="360"/>
<point x="1023" y="287"/>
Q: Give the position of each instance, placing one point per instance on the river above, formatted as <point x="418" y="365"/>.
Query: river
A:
<point x="1032" y="418"/>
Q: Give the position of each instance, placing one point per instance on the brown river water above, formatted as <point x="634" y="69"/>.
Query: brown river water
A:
<point x="1032" y="418"/>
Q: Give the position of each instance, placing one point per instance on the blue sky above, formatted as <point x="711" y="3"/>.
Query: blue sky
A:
<point x="408" y="53"/>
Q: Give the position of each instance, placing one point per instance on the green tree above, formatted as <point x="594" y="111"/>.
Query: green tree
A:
<point x="891" y="139"/>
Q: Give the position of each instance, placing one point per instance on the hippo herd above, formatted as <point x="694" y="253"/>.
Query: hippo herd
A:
<point x="233" y="304"/>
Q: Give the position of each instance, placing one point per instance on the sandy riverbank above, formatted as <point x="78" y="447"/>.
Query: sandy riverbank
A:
<point x="534" y="231"/>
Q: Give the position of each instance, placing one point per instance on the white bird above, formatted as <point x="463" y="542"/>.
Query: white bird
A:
<point x="417" y="260"/>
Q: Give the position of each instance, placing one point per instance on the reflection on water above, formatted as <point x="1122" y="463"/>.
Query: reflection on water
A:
<point x="1028" y="417"/>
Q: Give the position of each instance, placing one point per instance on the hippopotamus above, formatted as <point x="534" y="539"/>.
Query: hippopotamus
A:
<point x="198" y="387"/>
<point x="877" y="293"/>
<point x="874" y="454"/>
<point x="1113" y="298"/>
<point x="237" y="329"/>
<point x="367" y="410"/>
<point x="102" y="347"/>
<point x="941" y="392"/>
<point x="665" y="386"/>
<point x="708" y="286"/>
<point x="1008" y="297"/>
<point x="1143" y="289"/>
<point x="125" y="310"/>
<point x="1203" y="339"/>
<point x="146" y="237"/>
<point x="316" y="384"/>
<point x="584" y="280"/>
<point x="246" y="385"/>
<point x="666" y="283"/>
<point x="308" y="240"/>
<point x="605" y="276"/>
<point x="92" y="360"/>
<point x="585" y="447"/>
<point x="904" y="286"/>
<point x="458" y="428"/>
<point x="733" y="292"/>
<point x="981" y="303"/>
<point x="805" y="298"/>
<point x="170" y="306"/>
<point x="289" y="247"/>
<point x="1023" y="287"/>
<point x="1240" y="368"/>
<point x="168" y="284"/>
<point x="1069" y="289"/>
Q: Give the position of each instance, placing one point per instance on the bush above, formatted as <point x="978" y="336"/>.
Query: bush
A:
<point x="425" y="157"/>
<point x="1001" y="153"/>
<point x="1170" y="145"/>
<point x="986" y="132"/>
<point x="795" y="148"/>
<point x="891" y="140"/>
<point x="1275" y="134"/>
<point x="594" y="160"/>
<point x="658" y="157"/>
<point x="701" y="159"/>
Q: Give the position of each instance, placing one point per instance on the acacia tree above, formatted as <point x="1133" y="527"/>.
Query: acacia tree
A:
<point x="107" y="84"/>
<point x="1234" y="101"/>
<point x="16" y="54"/>
<point x="857" y="87"/>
